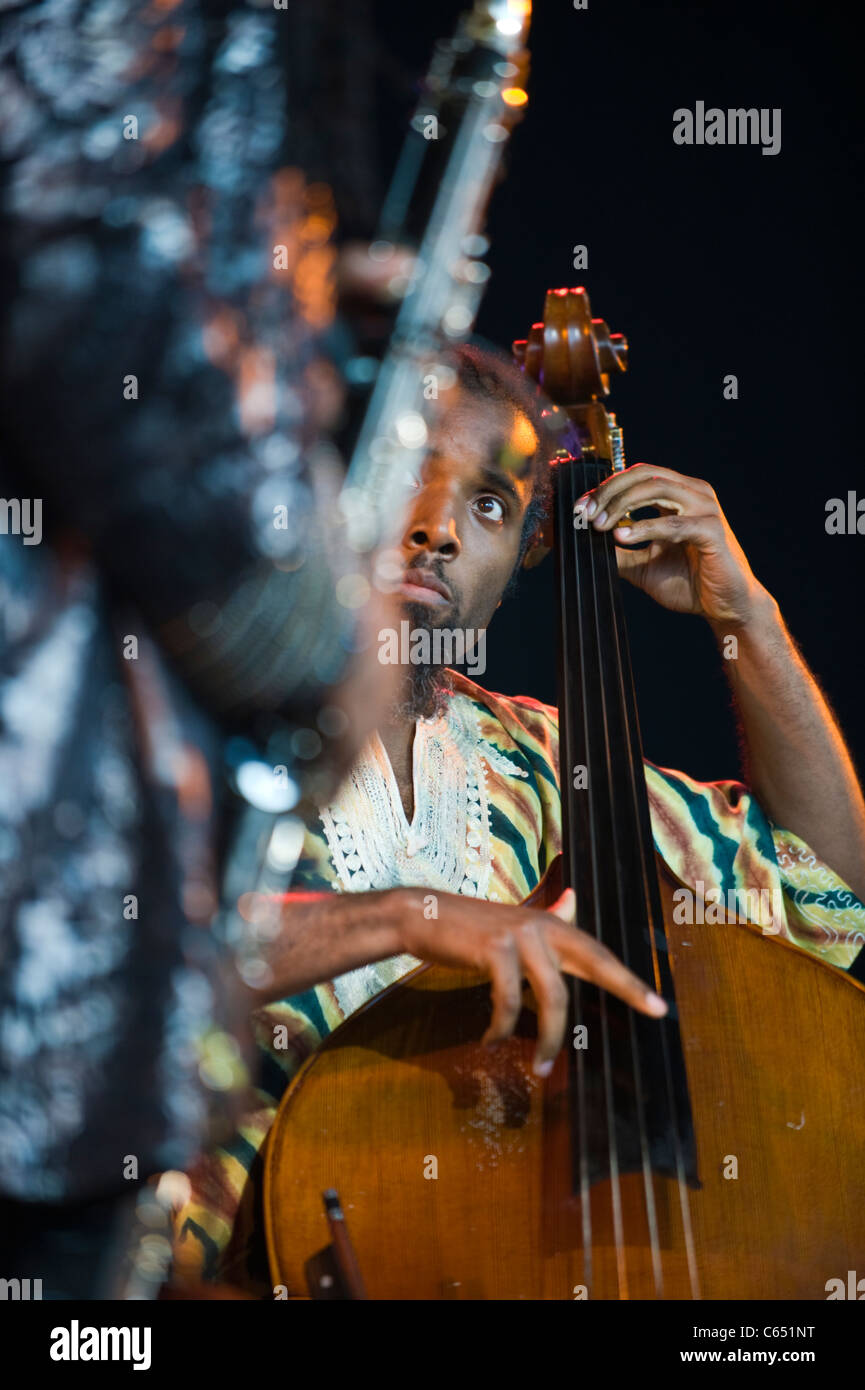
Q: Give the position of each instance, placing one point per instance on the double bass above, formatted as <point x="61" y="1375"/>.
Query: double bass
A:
<point x="713" y="1154"/>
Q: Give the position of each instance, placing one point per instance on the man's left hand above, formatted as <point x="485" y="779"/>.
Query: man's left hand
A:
<point x="694" y="563"/>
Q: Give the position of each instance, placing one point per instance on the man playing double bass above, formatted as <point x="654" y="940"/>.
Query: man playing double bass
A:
<point x="452" y="813"/>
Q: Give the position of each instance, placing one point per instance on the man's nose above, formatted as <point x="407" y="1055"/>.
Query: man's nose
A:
<point x="431" y="527"/>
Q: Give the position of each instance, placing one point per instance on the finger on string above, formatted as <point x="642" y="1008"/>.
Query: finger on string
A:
<point x="654" y="492"/>
<point x="632" y="561"/>
<point x="640" y="475"/>
<point x="541" y="967"/>
<point x="675" y="530"/>
<point x="586" y="958"/>
<point x="504" y="970"/>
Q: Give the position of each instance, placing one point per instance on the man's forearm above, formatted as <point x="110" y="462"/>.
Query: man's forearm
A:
<point x="322" y="935"/>
<point x="798" y="764"/>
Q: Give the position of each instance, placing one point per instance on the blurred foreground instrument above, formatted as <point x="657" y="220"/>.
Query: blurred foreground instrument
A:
<point x="473" y="94"/>
<point x="436" y="205"/>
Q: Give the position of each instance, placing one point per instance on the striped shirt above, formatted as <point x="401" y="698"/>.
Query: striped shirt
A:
<point x="486" y="822"/>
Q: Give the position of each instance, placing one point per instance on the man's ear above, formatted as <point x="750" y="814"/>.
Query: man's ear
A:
<point x="541" y="543"/>
<point x="535" y="554"/>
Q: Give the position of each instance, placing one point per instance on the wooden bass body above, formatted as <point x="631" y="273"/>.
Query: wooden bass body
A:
<point x="452" y="1160"/>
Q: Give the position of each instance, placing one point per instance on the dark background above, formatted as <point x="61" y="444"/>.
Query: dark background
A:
<point x="712" y="260"/>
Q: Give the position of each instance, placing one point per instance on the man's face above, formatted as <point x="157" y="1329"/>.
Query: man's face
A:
<point x="464" y="523"/>
<point x="463" y="529"/>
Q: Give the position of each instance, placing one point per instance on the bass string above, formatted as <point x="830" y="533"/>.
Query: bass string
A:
<point x="643" y="831"/>
<point x="611" y="835"/>
<point x="569" y="611"/>
<point x="601" y="835"/>
<point x="586" y="821"/>
<point x="620" y="712"/>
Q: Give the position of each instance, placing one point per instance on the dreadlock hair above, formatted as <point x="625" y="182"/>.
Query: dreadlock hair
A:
<point x="487" y="374"/>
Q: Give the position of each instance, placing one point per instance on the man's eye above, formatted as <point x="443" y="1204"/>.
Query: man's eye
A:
<point x="491" y="507"/>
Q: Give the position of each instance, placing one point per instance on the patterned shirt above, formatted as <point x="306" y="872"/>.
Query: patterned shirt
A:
<point x="487" y="823"/>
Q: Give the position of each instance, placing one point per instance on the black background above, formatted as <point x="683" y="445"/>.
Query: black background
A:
<point x="712" y="260"/>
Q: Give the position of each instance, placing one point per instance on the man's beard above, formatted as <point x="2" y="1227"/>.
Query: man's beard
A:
<point x="427" y="688"/>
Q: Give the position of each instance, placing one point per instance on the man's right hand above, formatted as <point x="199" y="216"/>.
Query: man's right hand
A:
<point x="512" y="943"/>
<point x="323" y="935"/>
